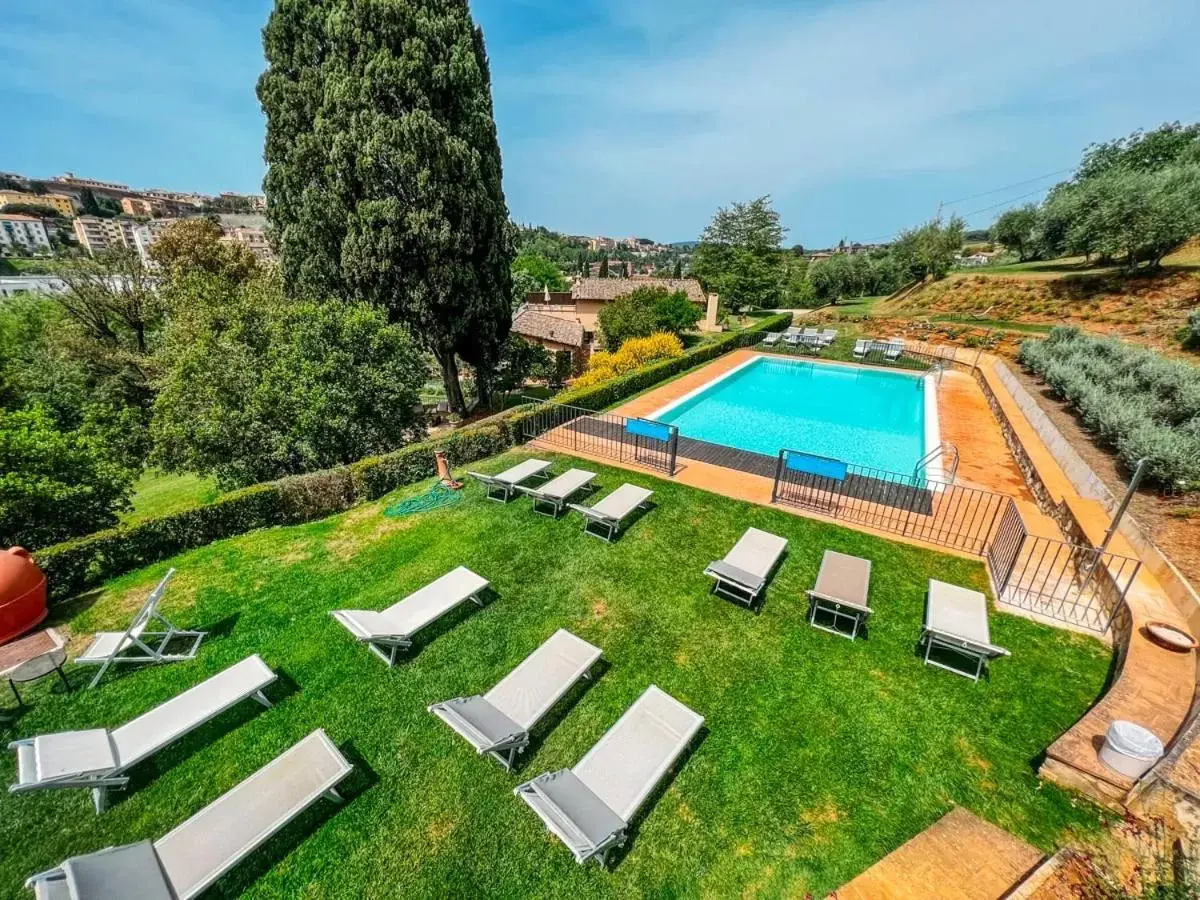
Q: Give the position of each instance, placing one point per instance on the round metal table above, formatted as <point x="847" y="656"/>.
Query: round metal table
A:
<point x="32" y="658"/>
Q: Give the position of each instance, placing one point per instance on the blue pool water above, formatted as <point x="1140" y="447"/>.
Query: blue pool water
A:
<point x="860" y="416"/>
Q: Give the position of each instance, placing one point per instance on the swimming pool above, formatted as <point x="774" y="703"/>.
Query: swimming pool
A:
<point x="862" y="416"/>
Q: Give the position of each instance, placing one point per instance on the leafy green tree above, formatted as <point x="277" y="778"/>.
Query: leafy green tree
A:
<point x="257" y="387"/>
<point x="55" y="484"/>
<point x="193" y="247"/>
<point x="928" y="250"/>
<point x="520" y="361"/>
<point x="1142" y="151"/>
<point x="543" y="273"/>
<point x="384" y="174"/>
<point x="31" y="209"/>
<point x="739" y="254"/>
<point x="1016" y="229"/>
<point x="645" y="310"/>
<point x="832" y="279"/>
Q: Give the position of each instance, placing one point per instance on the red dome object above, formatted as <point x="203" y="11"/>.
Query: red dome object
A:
<point x="22" y="594"/>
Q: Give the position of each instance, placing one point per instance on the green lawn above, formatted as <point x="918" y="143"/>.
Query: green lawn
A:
<point x="861" y="306"/>
<point x="159" y="493"/>
<point x="819" y="755"/>
<point x="1001" y="324"/>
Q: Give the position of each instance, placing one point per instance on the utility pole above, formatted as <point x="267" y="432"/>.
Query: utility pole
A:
<point x="1116" y="520"/>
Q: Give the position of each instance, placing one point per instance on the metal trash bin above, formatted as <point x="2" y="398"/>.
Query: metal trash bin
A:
<point x="1130" y="749"/>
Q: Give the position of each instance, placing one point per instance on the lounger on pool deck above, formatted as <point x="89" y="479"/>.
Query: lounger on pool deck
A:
<point x="500" y="487"/>
<point x="610" y="512"/>
<point x="956" y="618"/>
<point x="557" y="492"/>
<point x="772" y="338"/>
<point x="743" y="573"/>
<point x="590" y="806"/>
<point x="393" y="629"/>
<point x="98" y="759"/>
<point x="841" y="591"/>
<point x="136" y="644"/>
<point x="499" y="722"/>
<point x="893" y="349"/>
<point x="190" y="858"/>
<point x="861" y="348"/>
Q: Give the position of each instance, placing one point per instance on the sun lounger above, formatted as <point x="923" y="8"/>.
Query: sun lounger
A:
<point x="500" y="487"/>
<point x="861" y="348"/>
<point x="828" y="336"/>
<point x="956" y="619"/>
<point x="893" y="349"/>
<point x="791" y="330"/>
<point x="98" y="759"/>
<point x="500" y="721"/>
<point x="557" y="492"/>
<point x="809" y="332"/>
<point x="393" y="629"/>
<point x="136" y="644"/>
<point x="590" y="806"/>
<point x="772" y="338"/>
<point x="190" y="858"/>
<point x="841" y="592"/>
<point x="610" y="512"/>
<point x="742" y="574"/>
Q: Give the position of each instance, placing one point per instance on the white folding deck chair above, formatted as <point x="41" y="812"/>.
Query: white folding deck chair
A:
<point x="392" y="630"/>
<point x="499" y="722"/>
<point x="772" y="338"/>
<point x="612" y="511"/>
<point x="861" y="348"/>
<point x="828" y="336"/>
<point x="98" y="759"/>
<point x="841" y="592"/>
<point x="742" y="574"/>
<point x="556" y="492"/>
<point x="500" y="487"/>
<point x="956" y="619"/>
<point x="182" y="864"/>
<point x="591" y="806"/>
<point x="893" y="349"/>
<point x="136" y="644"/>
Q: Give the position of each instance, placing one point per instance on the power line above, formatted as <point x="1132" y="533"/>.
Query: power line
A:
<point x="1003" y="203"/>
<point x="1008" y="187"/>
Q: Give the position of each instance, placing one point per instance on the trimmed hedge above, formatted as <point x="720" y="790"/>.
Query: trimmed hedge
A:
<point x="75" y="566"/>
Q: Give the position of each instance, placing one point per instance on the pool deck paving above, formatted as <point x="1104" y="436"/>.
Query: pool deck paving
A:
<point x="959" y="857"/>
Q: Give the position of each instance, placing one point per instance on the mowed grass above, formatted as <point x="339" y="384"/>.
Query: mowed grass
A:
<point x="159" y="493"/>
<point x="819" y="755"/>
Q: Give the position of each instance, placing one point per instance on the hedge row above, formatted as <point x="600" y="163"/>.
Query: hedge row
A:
<point x="1133" y="400"/>
<point x="75" y="566"/>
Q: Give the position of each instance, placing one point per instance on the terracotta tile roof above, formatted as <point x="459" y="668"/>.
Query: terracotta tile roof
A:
<point x="612" y="288"/>
<point x="528" y="323"/>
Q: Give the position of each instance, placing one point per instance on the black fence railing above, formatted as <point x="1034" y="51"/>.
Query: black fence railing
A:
<point x="1072" y="583"/>
<point x="949" y="515"/>
<point x="900" y="352"/>
<point x="620" y="438"/>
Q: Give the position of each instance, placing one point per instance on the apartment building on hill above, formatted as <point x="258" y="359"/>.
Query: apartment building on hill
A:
<point x="98" y="235"/>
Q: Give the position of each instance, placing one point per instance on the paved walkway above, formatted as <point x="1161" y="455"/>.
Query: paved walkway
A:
<point x="959" y="857"/>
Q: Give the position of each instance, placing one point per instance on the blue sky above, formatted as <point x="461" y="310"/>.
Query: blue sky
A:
<point x="643" y="116"/>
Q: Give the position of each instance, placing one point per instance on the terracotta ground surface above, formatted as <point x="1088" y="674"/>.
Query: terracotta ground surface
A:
<point x="960" y="857"/>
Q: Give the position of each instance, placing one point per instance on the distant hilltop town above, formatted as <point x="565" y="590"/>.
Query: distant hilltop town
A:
<point x="68" y="215"/>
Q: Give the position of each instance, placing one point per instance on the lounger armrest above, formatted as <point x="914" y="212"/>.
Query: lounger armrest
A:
<point x="531" y="491"/>
<point x="725" y="572"/>
<point x="945" y="637"/>
<point x="817" y="595"/>
<point x="590" y="513"/>
<point x="479" y="723"/>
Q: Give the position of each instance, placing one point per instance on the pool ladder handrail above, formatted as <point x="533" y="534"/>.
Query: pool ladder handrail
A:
<point x="946" y="450"/>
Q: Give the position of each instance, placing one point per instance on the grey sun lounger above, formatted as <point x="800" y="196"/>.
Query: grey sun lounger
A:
<point x="610" y="512"/>
<point x="393" y="629"/>
<point x="500" y="487"/>
<point x="772" y="338"/>
<point x="182" y="864"/>
<point x="841" y="592"/>
<point x="861" y="348"/>
<point x="98" y="759"/>
<point x="590" y="806"/>
<point x="956" y="618"/>
<point x="500" y="721"/>
<point x="557" y="492"/>
<point x="136" y="644"/>
<point x="742" y="574"/>
<point x="828" y="336"/>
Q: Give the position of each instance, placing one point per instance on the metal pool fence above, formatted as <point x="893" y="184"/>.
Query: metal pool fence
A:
<point x="1072" y="583"/>
<point x="607" y="435"/>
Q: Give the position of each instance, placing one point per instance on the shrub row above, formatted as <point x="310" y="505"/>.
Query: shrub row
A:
<point x="83" y="563"/>
<point x="1135" y="401"/>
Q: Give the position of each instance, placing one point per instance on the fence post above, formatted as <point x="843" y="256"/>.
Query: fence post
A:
<point x="778" y="473"/>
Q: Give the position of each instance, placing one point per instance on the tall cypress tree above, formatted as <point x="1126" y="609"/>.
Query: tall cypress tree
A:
<point x="678" y="273"/>
<point x="604" y="267"/>
<point x="384" y="169"/>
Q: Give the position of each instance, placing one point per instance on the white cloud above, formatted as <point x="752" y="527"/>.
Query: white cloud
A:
<point x="725" y="102"/>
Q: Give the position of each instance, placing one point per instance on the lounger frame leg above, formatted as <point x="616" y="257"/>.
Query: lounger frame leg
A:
<point x="980" y="659"/>
<point x="835" y="610"/>
<point x="261" y="698"/>
<point x="334" y="796"/>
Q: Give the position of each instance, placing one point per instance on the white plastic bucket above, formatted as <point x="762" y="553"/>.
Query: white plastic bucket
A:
<point x="1130" y="749"/>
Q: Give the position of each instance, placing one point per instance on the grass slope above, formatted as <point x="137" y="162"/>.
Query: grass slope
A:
<point x="820" y="755"/>
<point x="159" y="493"/>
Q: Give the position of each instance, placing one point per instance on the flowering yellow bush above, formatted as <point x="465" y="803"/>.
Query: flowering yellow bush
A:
<point x="634" y="353"/>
